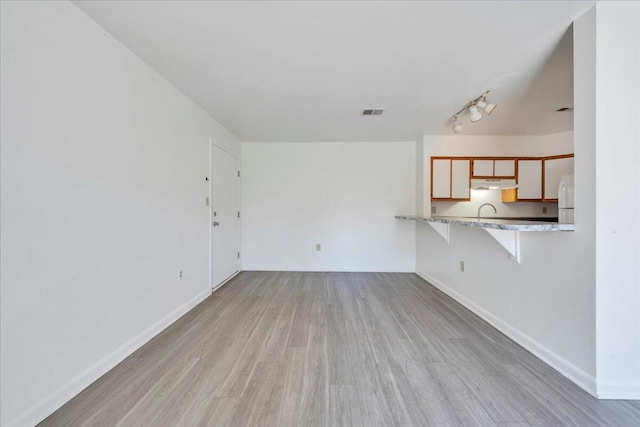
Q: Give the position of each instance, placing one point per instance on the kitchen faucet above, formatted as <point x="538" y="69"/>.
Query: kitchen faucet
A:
<point x="486" y="204"/>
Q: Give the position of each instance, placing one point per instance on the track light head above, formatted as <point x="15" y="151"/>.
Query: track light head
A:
<point x="485" y="106"/>
<point x="456" y="127"/>
<point x="475" y="114"/>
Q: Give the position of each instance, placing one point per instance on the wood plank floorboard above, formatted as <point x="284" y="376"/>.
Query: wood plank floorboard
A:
<point x="335" y="349"/>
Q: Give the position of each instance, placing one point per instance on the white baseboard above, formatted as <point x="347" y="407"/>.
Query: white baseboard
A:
<point x="618" y="390"/>
<point x="326" y="269"/>
<point x="46" y="407"/>
<point x="563" y="366"/>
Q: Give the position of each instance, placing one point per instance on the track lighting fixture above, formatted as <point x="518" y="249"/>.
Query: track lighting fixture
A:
<point x="475" y="107"/>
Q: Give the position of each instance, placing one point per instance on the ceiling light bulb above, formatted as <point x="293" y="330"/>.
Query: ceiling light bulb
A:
<point x="487" y="107"/>
<point x="475" y="114"/>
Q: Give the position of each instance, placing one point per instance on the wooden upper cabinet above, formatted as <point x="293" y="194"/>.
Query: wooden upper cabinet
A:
<point x="537" y="177"/>
<point x="499" y="168"/>
<point x="554" y="168"/>
<point x="530" y="180"/>
<point x="450" y="179"/>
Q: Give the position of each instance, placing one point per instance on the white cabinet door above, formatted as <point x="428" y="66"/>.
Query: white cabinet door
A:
<point x="529" y="179"/>
<point x="483" y="167"/>
<point x="460" y="184"/>
<point x="504" y="168"/>
<point x="441" y="179"/>
<point x="553" y="171"/>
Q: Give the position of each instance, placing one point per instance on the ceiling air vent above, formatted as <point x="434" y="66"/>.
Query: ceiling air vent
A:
<point x="372" y="112"/>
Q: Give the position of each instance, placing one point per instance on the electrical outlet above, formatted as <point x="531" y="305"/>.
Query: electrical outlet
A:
<point x="318" y="247"/>
<point x="544" y="210"/>
<point x="180" y="274"/>
<point x="462" y="266"/>
<point x="433" y="210"/>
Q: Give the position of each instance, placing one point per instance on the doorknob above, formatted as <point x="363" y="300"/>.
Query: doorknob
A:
<point x="216" y="223"/>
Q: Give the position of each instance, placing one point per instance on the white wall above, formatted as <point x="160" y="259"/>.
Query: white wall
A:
<point x="341" y="195"/>
<point x="556" y="143"/>
<point x="546" y="302"/>
<point x="102" y="174"/>
<point x="492" y="145"/>
<point x="617" y="127"/>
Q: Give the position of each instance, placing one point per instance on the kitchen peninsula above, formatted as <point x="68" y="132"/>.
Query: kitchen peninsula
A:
<point x="505" y="231"/>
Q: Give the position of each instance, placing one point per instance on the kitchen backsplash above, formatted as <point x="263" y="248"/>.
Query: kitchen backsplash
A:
<point x="478" y="197"/>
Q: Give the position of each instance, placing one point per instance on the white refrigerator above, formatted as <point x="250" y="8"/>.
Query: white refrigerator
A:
<point x="566" y="203"/>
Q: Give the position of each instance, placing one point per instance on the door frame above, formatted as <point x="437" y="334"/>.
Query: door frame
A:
<point x="213" y="287"/>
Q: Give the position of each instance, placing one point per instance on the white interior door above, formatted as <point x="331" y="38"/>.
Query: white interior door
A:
<point x="225" y="218"/>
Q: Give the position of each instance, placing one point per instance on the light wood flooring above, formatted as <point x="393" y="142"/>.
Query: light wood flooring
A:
<point x="335" y="349"/>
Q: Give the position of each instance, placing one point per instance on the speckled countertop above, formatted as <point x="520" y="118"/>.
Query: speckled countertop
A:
<point x="498" y="224"/>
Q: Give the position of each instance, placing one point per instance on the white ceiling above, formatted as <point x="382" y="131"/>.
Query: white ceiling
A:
<point x="302" y="71"/>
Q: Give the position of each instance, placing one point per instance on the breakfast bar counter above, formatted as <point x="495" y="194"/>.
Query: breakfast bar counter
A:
<point x="514" y="224"/>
